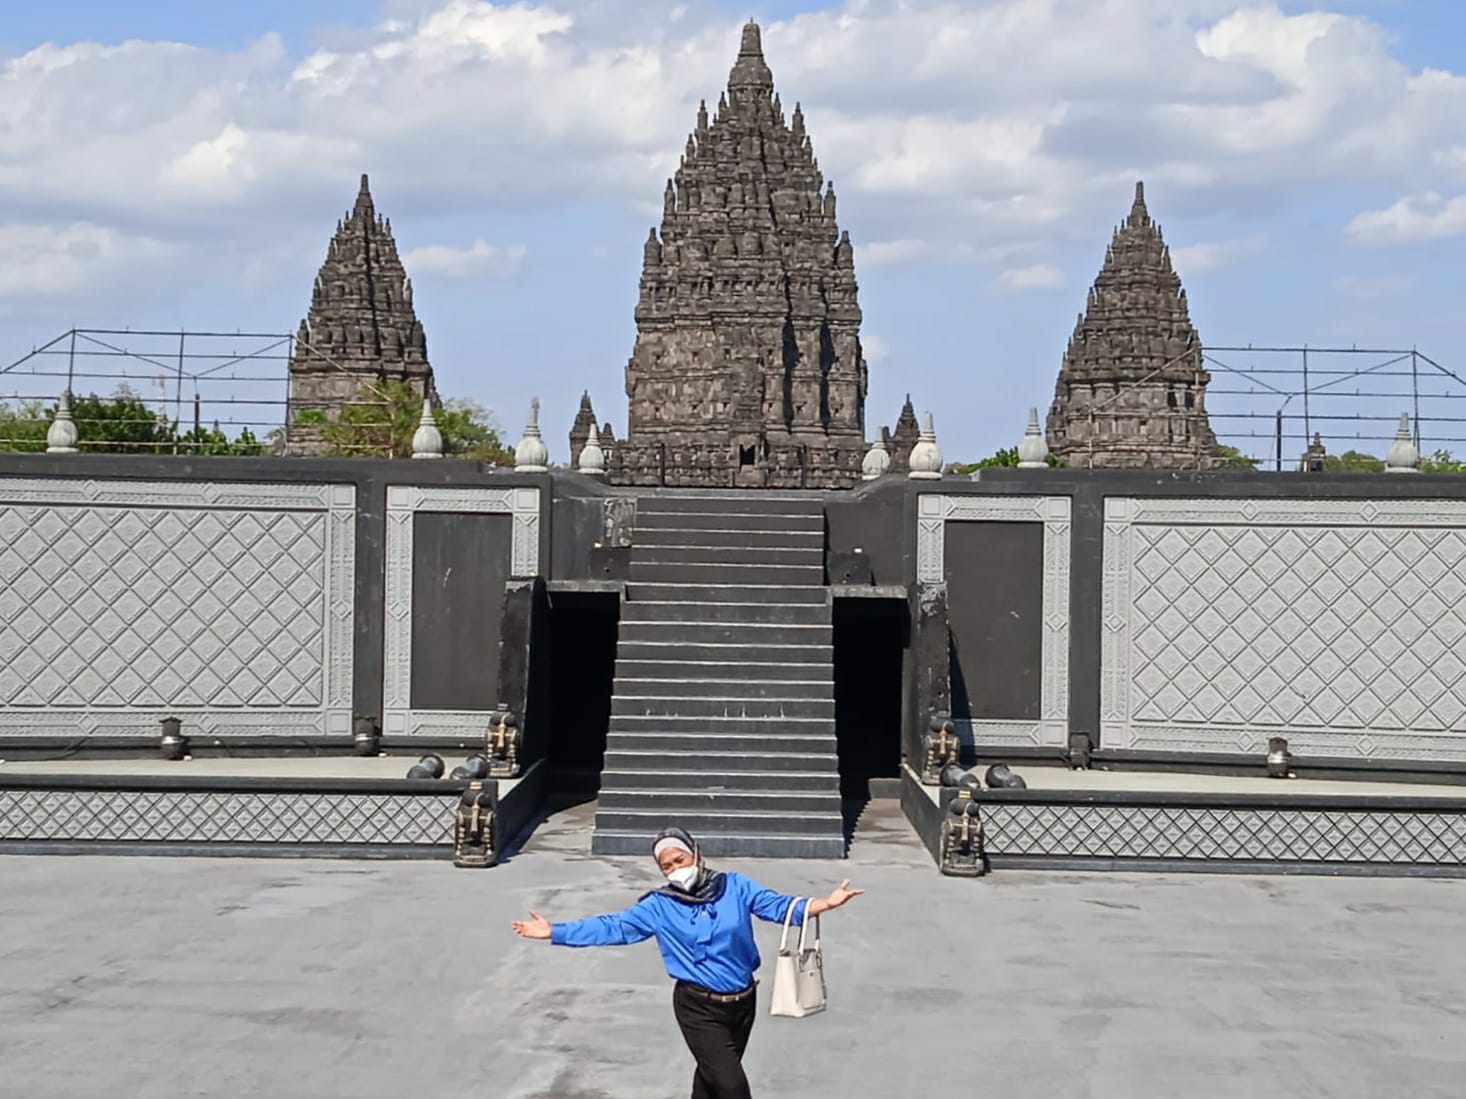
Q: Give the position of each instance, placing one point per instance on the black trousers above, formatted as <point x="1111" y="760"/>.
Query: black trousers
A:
<point x="717" y="1034"/>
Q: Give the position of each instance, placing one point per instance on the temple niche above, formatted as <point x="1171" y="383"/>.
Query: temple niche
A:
<point x="747" y="368"/>
<point x="361" y="328"/>
<point x="1132" y="389"/>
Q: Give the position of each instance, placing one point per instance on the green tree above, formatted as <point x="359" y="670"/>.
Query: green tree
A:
<point x="23" y="426"/>
<point x="212" y="441"/>
<point x="1003" y="458"/>
<point x="120" y="424"/>
<point x="1442" y="462"/>
<point x="1232" y="458"/>
<point x="1353" y="461"/>
<point x="382" y="423"/>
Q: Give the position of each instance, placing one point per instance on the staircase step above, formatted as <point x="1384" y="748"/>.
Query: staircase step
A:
<point x="709" y="822"/>
<point x="693" y="552"/>
<point x="679" y="739"/>
<point x="751" y="687"/>
<point x="640" y="592"/>
<point x="725" y="572"/>
<point x="759" y="614"/>
<point x="728" y="633"/>
<point x="776" y="708"/>
<point x="756" y="502"/>
<point x="706" y="670"/>
<point x="663" y="772"/>
<point x="783" y="803"/>
<point x="791" y="522"/>
<point x="775" y="537"/>
<point x="787" y="845"/>
<point x="660" y="646"/>
<point x="687" y="763"/>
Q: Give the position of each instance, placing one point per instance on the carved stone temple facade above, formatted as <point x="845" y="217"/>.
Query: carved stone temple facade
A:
<point x="361" y="328"/>
<point x="1132" y="389"/>
<point x="747" y="368"/>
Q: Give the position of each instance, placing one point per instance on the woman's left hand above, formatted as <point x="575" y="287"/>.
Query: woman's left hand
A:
<point x="842" y="893"/>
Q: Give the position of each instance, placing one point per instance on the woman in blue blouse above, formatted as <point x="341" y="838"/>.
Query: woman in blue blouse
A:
<point x="702" y="923"/>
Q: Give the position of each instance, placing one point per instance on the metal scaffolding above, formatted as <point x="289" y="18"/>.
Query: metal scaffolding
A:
<point x="236" y="381"/>
<point x="1278" y="398"/>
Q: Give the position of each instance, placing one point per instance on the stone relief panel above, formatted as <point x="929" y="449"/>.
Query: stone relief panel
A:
<point x="1340" y="625"/>
<point x="403" y="501"/>
<point x="228" y="606"/>
<point x="933" y="512"/>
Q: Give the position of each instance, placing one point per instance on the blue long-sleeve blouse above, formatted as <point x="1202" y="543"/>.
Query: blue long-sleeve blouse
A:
<point x="707" y="944"/>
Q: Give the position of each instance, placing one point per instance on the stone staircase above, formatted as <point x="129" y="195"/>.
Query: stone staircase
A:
<point x="723" y="712"/>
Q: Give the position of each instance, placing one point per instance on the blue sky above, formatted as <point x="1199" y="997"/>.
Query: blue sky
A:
<point x="1307" y="162"/>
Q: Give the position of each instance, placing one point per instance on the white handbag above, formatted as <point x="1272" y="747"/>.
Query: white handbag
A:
<point x="799" y="975"/>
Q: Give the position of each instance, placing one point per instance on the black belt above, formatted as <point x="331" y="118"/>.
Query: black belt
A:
<point x="718" y="997"/>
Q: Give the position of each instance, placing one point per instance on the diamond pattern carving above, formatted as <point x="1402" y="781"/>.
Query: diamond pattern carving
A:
<point x="1351" y="639"/>
<point x="111" y="611"/>
<point x="196" y="816"/>
<point x="1306" y="835"/>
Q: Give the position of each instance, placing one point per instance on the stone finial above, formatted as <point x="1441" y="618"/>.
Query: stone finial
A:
<point x="427" y="440"/>
<point x="531" y="455"/>
<point x="877" y="461"/>
<point x="1316" y="456"/>
<point x="1403" y="456"/>
<point x="751" y="72"/>
<point x="925" y="463"/>
<point x="61" y="435"/>
<point x="1033" y="451"/>
<point x="592" y="457"/>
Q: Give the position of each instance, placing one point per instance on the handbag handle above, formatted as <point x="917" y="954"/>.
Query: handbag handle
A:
<point x="788" y="917"/>
<point x="803" y="927"/>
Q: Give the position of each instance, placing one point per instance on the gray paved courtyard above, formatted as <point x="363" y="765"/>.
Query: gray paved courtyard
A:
<point x="240" y="977"/>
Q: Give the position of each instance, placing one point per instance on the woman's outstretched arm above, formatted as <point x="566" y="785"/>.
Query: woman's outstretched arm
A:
<point x="614" y="929"/>
<point x="768" y="905"/>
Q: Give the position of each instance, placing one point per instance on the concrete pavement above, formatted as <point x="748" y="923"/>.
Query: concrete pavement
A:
<point x="166" y="977"/>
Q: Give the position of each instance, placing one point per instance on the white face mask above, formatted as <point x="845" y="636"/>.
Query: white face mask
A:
<point x="683" y="877"/>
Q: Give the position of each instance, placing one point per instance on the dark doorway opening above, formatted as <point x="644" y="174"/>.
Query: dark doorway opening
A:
<point x="582" y="669"/>
<point x="871" y="638"/>
<point x="745" y="456"/>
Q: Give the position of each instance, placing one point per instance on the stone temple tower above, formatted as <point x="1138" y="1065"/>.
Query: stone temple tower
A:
<point x="361" y="328"/>
<point x="747" y="368"/>
<point x="1132" y="388"/>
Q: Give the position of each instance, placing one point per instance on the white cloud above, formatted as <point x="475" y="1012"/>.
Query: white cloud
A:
<point x="1193" y="259"/>
<point x="1038" y="276"/>
<point x="478" y="260"/>
<point x="953" y="131"/>
<point x="874" y="348"/>
<point x="42" y="261"/>
<point x="1420" y="217"/>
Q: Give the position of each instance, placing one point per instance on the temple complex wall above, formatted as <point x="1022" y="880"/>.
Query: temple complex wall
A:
<point x="1143" y="613"/>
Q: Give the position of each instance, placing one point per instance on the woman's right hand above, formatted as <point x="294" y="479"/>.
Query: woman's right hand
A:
<point x="536" y="927"/>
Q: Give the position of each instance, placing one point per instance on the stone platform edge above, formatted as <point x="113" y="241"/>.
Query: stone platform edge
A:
<point x="1127" y="830"/>
<point x="254" y="817"/>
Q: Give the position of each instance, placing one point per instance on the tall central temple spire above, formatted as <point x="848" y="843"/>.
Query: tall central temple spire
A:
<point x="1132" y="390"/>
<point x="747" y="368"/>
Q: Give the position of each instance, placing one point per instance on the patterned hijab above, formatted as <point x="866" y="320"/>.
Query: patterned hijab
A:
<point x="710" y="883"/>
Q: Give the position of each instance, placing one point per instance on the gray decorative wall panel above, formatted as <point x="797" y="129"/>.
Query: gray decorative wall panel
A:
<point x="1338" y="624"/>
<point x="403" y="501"/>
<point x="226" y="605"/>
<point x="933" y="513"/>
<point x="1226" y="833"/>
<point x="225" y="817"/>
